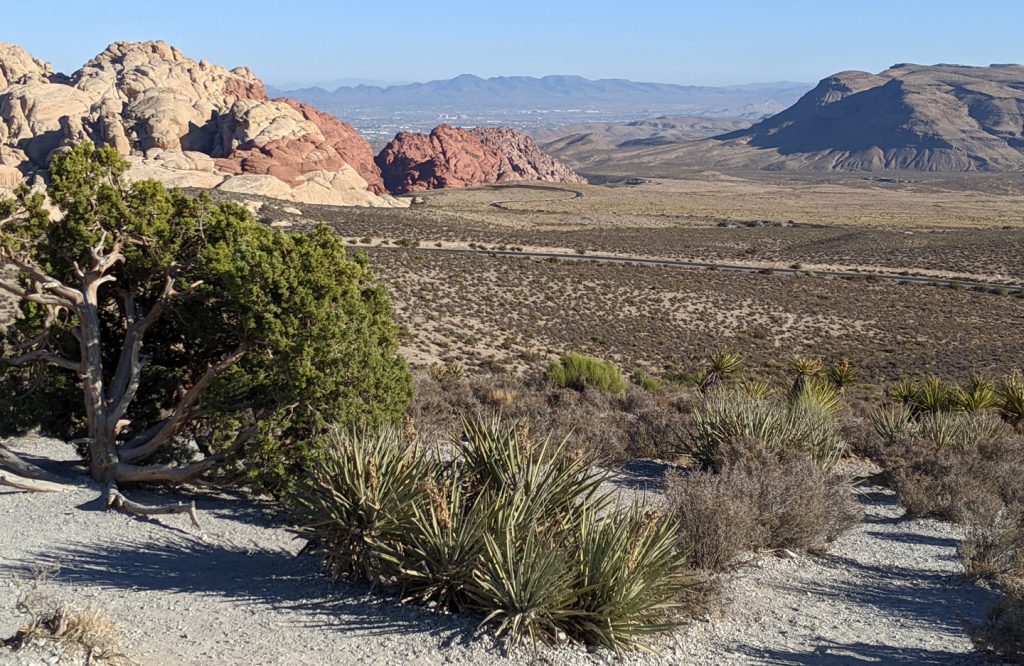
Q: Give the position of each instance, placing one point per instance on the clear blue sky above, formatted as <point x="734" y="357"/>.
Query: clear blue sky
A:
<point x="719" y="42"/>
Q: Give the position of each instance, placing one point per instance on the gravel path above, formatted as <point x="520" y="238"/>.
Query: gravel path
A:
<point x="888" y="593"/>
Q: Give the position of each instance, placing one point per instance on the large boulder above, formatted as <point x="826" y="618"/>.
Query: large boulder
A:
<point x="451" y="157"/>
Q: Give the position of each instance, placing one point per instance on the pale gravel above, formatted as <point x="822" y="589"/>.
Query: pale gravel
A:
<point x="890" y="592"/>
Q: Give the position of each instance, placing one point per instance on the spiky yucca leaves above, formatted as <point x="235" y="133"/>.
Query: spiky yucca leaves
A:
<point x="804" y="366"/>
<point x="815" y="391"/>
<point x="755" y="388"/>
<point x="359" y="500"/>
<point x="1010" y="398"/>
<point x="524" y="585"/>
<point x="841" y="374"/>
<point x="905" y="391"/>
<point x="935" y="395"/>
<point x="503" y="459"/>
<point x="978" y="393"/>
<point x="445" y="542"/>
<point x="812" y="430"/>
<point x="722" y="365"/>
<point x="727" y="420"/>
<point x="630" y="578"/>
<point x="894" y="423"/>
<point x="500" y="525"/>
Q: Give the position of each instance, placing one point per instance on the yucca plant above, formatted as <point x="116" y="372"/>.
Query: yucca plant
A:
<point x="815" y="391"/>
<point x="805" y="366"/>
<point x="722" y="365"/>
<point x="455" y="370"/>
<point x="359" y="498"/>
<point x="811" y="429"/>
<point x="445" y="542"/>
<point x="935" y="395"/>
<point x="755" y="388"/>
<point x="727" y="420"/>
<point x="841" y="374"/>
<point x="502" y="461"/>
<point x="894" y="423"/>
<point x="579" y="372"/>
<point x="905" y="391"/>
<point x="630" y="578"/>
<point x="523" y="584"/>
<point x="978" y="393"/>
<point x="1010" y="398"/>
<point x="438" y="372"/>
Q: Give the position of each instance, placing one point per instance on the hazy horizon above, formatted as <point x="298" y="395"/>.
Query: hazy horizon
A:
<point x="733" y="42"/>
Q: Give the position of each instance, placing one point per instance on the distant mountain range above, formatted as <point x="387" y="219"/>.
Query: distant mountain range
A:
<point x="909" y="117"/>
<point x="469" y="94"/>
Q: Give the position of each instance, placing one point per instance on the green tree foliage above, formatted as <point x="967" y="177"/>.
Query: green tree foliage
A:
<point x="154" y="322"/>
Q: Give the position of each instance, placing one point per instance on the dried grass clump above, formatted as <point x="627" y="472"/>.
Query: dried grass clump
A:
<point x="86" y="631"/>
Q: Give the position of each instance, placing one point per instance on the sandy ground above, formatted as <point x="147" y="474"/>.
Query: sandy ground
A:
<point x="239" y="593"/>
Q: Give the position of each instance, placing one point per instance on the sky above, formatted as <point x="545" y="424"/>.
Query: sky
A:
<point x="704" y="43"/>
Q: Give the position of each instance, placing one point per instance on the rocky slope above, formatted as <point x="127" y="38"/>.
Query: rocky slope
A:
<point x="183" y="122"/>
<point x="913" y="117"/>
<point x="451" y="157"/>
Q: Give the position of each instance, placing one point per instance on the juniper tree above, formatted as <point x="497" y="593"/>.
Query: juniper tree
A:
<point x="169" y="334"/>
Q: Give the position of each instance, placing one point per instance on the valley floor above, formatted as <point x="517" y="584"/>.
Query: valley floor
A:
<point x="240" y="593"/>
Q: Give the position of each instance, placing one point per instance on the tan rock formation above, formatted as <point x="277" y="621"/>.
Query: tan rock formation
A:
<point x="186" y="123"/>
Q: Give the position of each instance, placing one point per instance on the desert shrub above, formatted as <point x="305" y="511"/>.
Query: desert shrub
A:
<point x="949" y="465"/>
<point x="994" y="544"/>
<point x="499" y="524"/>
<point x="760" y="502"/>
<point x="647" y="382"/>
<point x="580" y="372"/>
<point x="1002" y="635"/>
<point x="727" y="420"/>
<point x="717" y="525"/>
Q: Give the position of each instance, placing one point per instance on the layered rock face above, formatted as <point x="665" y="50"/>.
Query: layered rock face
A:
<point x="450" y="157"/>
<point x="915" y="117"/>
<point x="186" y="123"/>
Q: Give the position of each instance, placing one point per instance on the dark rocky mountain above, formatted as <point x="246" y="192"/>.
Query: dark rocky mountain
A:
<point x="909" y="117"/>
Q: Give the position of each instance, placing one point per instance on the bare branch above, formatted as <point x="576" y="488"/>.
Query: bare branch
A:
<point x="13" y="462"/>
<point x="127" y="473"/>
<point x="182" y="412"/>
<point x="129" y="368"/>
<point x="115" y="500"/>
<point x="30" y="485"/>
<point x="46" y="356"/>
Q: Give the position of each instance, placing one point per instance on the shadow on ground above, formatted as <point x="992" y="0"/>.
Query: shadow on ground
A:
<point x="238" y="574"/>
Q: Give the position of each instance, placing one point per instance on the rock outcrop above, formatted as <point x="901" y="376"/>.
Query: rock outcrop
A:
<point x="183" y="122"/>
<point x="451" y="157"/>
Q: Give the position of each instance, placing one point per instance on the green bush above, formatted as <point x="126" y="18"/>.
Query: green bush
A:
<point x="499" y="525"/>
<point x="579" y="372"/>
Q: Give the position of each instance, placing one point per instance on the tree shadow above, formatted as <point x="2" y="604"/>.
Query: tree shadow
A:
<point x="234" y="573"/>
<point x="829" y="652"/>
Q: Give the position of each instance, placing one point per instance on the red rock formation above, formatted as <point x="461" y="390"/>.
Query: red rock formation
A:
<point x="350" y="144"/>
<point x="450" y="157"/>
